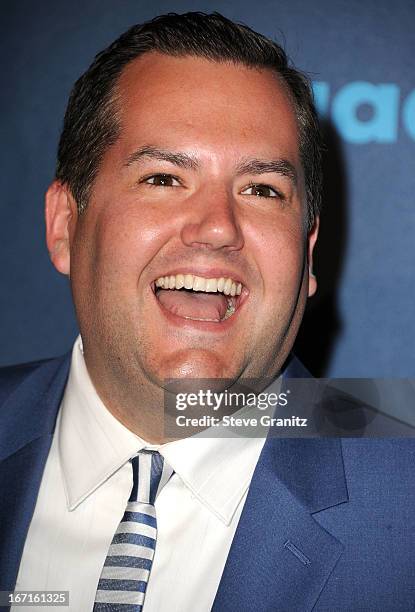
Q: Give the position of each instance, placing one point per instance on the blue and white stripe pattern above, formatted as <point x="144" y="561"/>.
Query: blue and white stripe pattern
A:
<point x="124" y="578"/>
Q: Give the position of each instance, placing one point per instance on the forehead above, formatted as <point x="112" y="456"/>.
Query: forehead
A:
<point x="221" y="104"/>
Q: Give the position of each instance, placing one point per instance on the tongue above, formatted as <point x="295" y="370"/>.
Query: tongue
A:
<point x="196" y="305"/>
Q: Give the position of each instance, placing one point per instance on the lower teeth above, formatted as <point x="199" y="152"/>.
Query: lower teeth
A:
<point x="229" y="311"/>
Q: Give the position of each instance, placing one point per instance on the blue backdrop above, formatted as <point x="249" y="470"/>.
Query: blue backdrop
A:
<point x="360" y="57"/>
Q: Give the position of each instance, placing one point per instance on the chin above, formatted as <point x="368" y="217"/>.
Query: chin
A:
<point x="197" y="363"/>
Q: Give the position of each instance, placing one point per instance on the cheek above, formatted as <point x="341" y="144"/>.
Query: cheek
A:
<point x="279" y="253"/>
<point x="127" y="239"/>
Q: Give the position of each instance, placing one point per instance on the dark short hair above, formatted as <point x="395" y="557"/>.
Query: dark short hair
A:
<point x="91" y="124"/>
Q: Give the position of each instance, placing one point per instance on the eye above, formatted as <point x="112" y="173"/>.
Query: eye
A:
<point x="261" y="191"/>
<point x="161" y="180"/>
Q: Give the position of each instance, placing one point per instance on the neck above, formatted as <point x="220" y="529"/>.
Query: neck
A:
<point x="138" y="405"/>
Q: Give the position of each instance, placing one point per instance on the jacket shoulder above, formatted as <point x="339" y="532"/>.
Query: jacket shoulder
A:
<point x="13" y="376"/>
<point x="22" y="375"/>
<point x="30" y="396"/>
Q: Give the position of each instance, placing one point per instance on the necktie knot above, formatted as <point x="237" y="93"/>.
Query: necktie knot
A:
<point x="150" y="474"/>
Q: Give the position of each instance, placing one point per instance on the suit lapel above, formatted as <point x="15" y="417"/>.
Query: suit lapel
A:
<point x="27" y="423"/>
<point x="280" y="558"/>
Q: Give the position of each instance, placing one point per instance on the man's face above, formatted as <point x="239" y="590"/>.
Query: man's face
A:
<point x="204" y="181"/>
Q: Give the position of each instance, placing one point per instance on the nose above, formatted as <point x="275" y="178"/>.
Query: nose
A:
<point x="212" y="222"/>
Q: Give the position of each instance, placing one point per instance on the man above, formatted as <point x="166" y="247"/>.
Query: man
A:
<point x="185" y="211"/>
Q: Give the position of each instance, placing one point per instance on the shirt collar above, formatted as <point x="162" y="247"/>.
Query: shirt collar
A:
<point x="93" y="445"/>
<point x="216" y="470"/>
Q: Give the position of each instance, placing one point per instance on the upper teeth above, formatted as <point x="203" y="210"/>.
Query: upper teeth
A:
<point x="198" y="283"/>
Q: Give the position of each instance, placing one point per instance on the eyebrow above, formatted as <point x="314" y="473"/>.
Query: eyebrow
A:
<point x="190" y="162"/>
<point x="263" y="166"/>
<point x="183" y="160"/>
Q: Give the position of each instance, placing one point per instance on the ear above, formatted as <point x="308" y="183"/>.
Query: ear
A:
<point x="312" y="239"/>
<point x="60" y="217"/>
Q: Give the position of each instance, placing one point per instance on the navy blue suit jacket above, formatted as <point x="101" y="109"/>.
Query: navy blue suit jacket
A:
<point x="328" y="524"/>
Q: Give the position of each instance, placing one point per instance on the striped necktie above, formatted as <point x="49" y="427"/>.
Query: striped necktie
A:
<point x="124" y="577"/>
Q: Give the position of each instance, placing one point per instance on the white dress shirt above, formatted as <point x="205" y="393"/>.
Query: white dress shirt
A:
<point x="84" y="491"/>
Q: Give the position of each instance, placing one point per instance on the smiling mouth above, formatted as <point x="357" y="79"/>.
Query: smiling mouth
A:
<point x="199" y="299"/>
